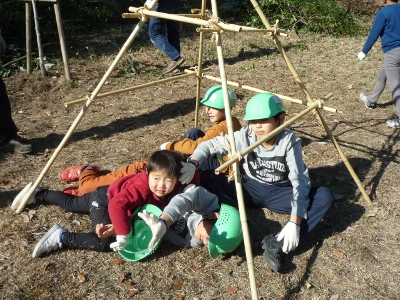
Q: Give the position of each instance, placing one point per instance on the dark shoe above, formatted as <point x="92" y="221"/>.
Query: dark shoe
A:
<point x="363" y="98"/>
<point x="18" y="145"/>
<point x="272" y="252"/>
<point x="173" y="64"/>
<point x="395" y="123"/>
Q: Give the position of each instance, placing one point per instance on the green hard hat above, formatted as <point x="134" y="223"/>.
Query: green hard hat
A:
<point x="140" y="235"/>
<point x="214" y="97"/>
<point x="226" y="235"/>
<point x="263" y="106"/>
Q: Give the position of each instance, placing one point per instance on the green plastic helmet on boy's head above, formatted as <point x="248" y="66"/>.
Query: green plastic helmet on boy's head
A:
<point x="214" y="97"/>
<point x="226" y="235"/>
<point x="263" y="106"/>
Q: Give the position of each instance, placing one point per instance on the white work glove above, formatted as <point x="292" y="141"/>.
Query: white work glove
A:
<point x="361" y="55"/>
<point x="290" y="235"/>
<point x="189" y="187"/>
<point x="3" y="46"/>
<point x="163" y="146"/>
<point x="158" y="228"/>
<point x="121" y="242"/>
<point x="187" y="172"/>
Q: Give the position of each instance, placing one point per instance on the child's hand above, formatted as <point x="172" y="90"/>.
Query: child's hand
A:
<point x="158" y="228"/>
<point x="187" y="172"/>
<point x="104" y="231"/>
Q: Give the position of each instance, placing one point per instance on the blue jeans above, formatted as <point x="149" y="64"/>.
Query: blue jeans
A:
<point x="275" y="198"/>
<point x="171" y="45"/>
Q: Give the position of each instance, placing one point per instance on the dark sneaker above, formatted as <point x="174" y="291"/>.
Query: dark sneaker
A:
<point x="173" y="64"/>
<point x="363" y="98"/>
<point x="18" y="145"/>
<point x="272" y="252"/>
<point x="51" y="241"/>
<point x="395" y="123"/>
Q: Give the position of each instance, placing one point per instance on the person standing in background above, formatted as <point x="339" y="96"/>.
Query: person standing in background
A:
<point x="386" y="26"/>
<point x="10" y="141"/>
<point x="171" y="44"/>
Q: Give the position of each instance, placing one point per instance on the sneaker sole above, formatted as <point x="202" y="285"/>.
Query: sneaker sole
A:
<point x="43" y="239"/>
<point x="20" y="196"/>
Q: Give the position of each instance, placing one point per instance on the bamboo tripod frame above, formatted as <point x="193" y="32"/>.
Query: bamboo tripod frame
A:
<point x="28" y="21"/>
<point x="215" y="26"/>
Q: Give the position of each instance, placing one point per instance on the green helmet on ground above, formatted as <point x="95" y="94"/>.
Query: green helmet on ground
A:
<point x="226" y="235"/>
<point x="263" y="106"/>
<point x="214" y="97"/>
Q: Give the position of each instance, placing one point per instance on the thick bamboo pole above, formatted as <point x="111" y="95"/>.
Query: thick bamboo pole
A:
<point x="249" y="88"/>
<point x="309" y="99"/>
<point x="173" y="78"/>
<point x="237" y="156"/>
<point x="199" y="67"/>
<point x="138" y="16"/>
<point x="28" y="33"/>
<point x="39" y="40"/>
<point x="150" y="13"/>
<point x="238" y="184"/>
<point x="62" y="41"/>
<point x="82" y="112"/>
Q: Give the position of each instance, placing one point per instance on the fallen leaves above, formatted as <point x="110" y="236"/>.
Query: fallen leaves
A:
<point x="340" y="254"/>
<point x="177" y="284"/>
<point x="232" y="290"/>
<point x="81" y="277"/>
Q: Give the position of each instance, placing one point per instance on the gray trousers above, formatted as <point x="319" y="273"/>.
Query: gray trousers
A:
<point x="390" y="72"/>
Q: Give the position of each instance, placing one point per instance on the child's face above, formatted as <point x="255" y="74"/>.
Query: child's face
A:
<point x="203" y="230"/>
<point x="216" y="115"/>
<point x="264" y="126"/>
<point x="161" y="183"/>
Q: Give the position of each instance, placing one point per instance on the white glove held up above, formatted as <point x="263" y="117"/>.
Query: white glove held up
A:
<point x="187" y="172"/>
<point x="163" y="146"/>
<point x="361" y="55"/>
<point x="158" y="228"/>
<point x="122" y="240"/>
<point x="290" y="235"/>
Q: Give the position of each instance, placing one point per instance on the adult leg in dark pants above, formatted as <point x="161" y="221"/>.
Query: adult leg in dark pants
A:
<point x="95" y="204"/>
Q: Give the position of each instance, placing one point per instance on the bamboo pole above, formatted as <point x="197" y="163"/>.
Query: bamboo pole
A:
<point x="247" y="87"/>
<point x="28" y="29"/>
<point x="237" y="156"/>
<point x="238" y="184"/>
<point x="150" y="13"/>
<point x="117" y="92"/>
<point x="199" y="67"/>
<point x="62" y="41"/>
<point x="309" y="99"/>
<point x="82" y="112"/>
<point x="242" y="30"/>
<point x="39" y="41"/>
<point x="138" y="16"/>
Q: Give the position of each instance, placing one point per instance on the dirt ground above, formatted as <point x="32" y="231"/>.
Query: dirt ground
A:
<point x="352" y="254"/>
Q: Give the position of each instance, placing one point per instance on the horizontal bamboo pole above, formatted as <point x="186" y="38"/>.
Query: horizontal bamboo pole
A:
<point x="150" y="13"/>
<point x="246" y="87"/>
<point x="173" y="78"/>
<point x="138" y="16"/>
<point x="242" y="30"/>
<point x="237" y="156"/>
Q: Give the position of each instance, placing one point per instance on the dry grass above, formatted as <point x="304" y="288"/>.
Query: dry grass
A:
<point x="353" y="254"/>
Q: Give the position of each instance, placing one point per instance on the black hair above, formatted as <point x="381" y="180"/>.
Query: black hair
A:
<point x="276" y="117"/>
<point x="167" y="161"/>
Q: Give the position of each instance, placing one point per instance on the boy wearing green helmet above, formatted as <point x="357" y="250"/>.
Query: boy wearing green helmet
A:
<point x="195" y="218"/>
<point x="274" y="175"/>
<point x="215" y="110"/>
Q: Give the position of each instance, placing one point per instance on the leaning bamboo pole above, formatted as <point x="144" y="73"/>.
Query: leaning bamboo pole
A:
<point x="39" y="40"/>
<point x="238" y="184"/>
<point x="62" y="41"/>
<point x="237" y="156"/>
<point x="199" y="67"/>
<point x="82" y="112"/>
<point x="28" y="29"/>
<point x="249" y="88"/>
<point x="309" y="99"/>
<point x="134" y="88"/>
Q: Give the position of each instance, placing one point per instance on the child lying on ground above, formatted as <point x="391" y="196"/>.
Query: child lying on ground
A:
<point x="111" y="205"/>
